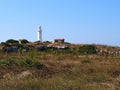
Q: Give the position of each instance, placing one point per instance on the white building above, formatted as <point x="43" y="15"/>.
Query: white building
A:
<point x="39" y="37"/>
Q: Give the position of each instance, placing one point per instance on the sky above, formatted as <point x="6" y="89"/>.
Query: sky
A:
<point x="78" y="21"/>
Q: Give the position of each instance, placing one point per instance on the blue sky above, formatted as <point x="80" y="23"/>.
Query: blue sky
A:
<point x="78" y="21"/>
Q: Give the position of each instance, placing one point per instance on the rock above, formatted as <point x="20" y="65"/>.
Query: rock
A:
<point x="8" y="76"/>
<point x="23" y="74"/>
<point x="11" y="76"/>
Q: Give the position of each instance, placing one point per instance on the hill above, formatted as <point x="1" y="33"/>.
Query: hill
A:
<point x="61" y="69"/>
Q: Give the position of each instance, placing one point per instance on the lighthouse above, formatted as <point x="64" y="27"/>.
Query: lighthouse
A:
<point x="39" y="37"/>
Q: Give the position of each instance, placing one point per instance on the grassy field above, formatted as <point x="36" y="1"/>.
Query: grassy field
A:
<point x="58" y="71"/>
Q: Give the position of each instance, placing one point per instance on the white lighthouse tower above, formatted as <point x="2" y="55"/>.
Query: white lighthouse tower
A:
<point x="39" y="37"/>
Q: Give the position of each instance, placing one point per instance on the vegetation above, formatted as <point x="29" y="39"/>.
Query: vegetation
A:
<point x="25" y="62"/>
<point x="11" y="41"/>
<point x="53" y="69"/>
<point x="86" y="61"/>
<point x="87" y="49"/>
<point x="4" y="44"/>
<point x="24" y="41"/>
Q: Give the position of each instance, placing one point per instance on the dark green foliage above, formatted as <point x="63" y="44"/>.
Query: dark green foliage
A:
<point x="87" y="49"/>
<point x="20" y="46"/>
<point x="27" y="62"/>
<point x="46" y="42"/>
<point x="4" y="44"/>
<point x="38" y="65"/>
<point x="24" y="41"/>
<point x="86" y="61"/>
<point x="8" y="62"/>
<point x="83" y="50"/>
<point x="11" y="41"/>
<point x="31" y="63"/>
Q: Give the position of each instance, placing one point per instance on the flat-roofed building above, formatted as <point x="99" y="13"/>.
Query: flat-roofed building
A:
<point x="59" y="40"/>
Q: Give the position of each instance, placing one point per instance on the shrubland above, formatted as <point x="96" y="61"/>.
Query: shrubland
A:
<point x="78" y="68"/>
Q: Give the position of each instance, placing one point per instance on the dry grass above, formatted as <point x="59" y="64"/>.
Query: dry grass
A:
<point x="62" y="72"/>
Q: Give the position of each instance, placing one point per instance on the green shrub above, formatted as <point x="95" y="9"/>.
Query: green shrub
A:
<point x="11" y="41"/>
<point x="27" y="62"/>
<point x="31" y="63"/>
<point x="87" y="49"/>
<point x="24" y="41"/>
<point x="8" y="62"/>
<point x="38" y="65"/>
<point x="85" y="61"/>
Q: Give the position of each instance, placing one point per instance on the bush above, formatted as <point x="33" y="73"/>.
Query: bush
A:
<point x="5" y="44"/>
<point x="24" y="41"/>
<point x="85" y="61"/>
<point x="8" y="62"/>
<point x="27" y="62"/>
<point x="87" y="49"/>
<point x="11" y="41"/>
<point x="31" y="63"/>
<point x="38" y="65"/>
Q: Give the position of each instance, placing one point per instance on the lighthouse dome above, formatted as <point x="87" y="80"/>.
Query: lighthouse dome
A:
<point x="39" y="29"/>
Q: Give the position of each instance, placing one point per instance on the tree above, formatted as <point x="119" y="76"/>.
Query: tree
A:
<point x="11" y="41"/>
<point x="23" y="41"/>
<point x="4" y="44"/>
